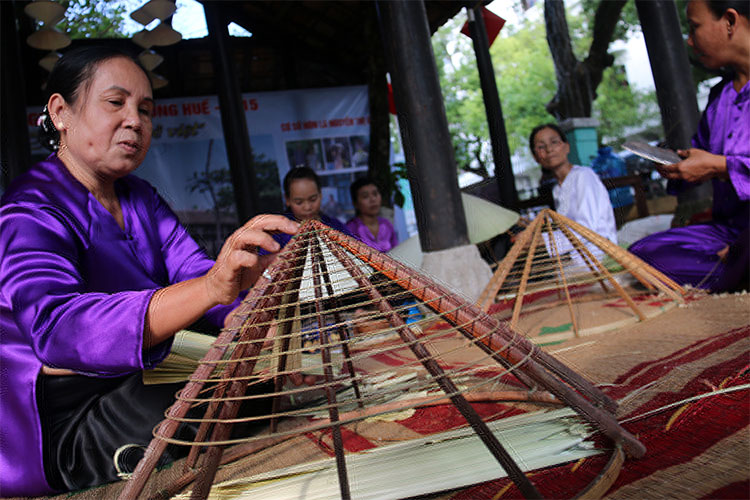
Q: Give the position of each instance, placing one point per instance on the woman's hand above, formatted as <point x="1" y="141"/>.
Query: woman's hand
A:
<point x="698" y="165"/>
<point x="723" y="253"/>
<point x="238" y="265"/>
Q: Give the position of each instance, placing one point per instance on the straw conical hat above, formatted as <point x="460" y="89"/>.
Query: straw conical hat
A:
<point x="484" y="220"/>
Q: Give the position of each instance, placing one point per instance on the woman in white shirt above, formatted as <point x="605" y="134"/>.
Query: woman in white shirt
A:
<point x="579" y="193"/>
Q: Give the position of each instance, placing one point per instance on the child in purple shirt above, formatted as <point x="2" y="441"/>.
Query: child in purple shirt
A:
<point x="302" y="197"/>
<point x="367" y="225"/>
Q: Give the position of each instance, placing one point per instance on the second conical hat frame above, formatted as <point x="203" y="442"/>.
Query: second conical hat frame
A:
<point x="334" y="266"/>
<point x="556" y="253"/>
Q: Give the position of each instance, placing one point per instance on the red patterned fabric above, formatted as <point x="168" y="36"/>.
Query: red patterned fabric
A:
<point x="672" y="437"/>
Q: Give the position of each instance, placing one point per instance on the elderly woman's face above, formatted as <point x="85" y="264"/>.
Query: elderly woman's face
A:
<point x="708" y="35"/>
<point x="108" y="129"/>
<point x="550" y="151"/>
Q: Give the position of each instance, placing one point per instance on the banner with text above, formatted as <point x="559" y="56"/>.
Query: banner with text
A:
<point x="325" y="129"/>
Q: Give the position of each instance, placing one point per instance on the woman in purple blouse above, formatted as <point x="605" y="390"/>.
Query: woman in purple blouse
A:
<point x="96" y="276"/>
<point x="367" y="225"/>
<point x="714" y="256"/>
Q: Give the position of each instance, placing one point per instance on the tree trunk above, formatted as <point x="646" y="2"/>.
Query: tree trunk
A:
<point x="577" y="80"/>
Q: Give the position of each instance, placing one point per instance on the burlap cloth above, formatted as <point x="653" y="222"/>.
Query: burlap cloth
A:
<point x="695" y="450"/>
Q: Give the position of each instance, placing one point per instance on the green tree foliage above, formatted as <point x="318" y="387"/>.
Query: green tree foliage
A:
<point x="462" y="95"/>
<point x="526" y="82"/>
<point x="95" y="18"/>
<point x="627" y="25"/>
<point x="619" y="107"/>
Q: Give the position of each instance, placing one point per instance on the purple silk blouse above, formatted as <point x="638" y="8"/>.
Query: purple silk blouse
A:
<point x="724" y="129"/>
<point x="386" y="239"/>
<point x="74" y="290"/>
<point x="689" y="254"/>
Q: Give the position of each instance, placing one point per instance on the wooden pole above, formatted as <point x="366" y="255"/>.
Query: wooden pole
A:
<point x="506" y="182"/>
<point x="430" y="160"/>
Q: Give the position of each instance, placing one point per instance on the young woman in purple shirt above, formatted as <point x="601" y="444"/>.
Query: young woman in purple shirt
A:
<point x="302" y="196"/>
<point x="367" y="225"/>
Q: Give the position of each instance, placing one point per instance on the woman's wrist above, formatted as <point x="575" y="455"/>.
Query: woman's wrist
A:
<point x="174" y="307"/>
<point x="720" y="167"/>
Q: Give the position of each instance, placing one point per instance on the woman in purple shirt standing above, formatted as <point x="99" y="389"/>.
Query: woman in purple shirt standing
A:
<point x="367" y="225"/>
<point x="96" y="276"/>
<point x="714" y="256"/>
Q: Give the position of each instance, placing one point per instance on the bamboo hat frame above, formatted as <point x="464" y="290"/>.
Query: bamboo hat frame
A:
<point x="556" y="253"/>
<point x="344" y="275"/>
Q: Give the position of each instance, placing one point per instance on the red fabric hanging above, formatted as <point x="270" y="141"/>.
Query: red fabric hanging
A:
<point x="493" y="22"/>
<point x="391" y="102"/>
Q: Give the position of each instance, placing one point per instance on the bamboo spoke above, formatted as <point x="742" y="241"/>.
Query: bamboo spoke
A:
<point x="525" y="276"/>
<point x="606" y="273"/>
<point x="556" y="254"/>
<point x="333" y="412"/>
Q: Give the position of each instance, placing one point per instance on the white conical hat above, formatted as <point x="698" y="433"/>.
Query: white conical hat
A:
<point x="484" y="220"/>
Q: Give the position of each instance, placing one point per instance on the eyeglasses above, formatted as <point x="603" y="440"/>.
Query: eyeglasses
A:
<point x="553" y="144"/>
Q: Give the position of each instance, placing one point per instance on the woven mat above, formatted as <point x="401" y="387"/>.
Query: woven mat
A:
<point x="695" y="450"/>
<point x="699" y="449"/>
<point x="547" y="318"/>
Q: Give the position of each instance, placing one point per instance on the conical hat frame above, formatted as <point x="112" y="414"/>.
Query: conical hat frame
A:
<point x="529" y="240"/>
<point x="278" y="288"/>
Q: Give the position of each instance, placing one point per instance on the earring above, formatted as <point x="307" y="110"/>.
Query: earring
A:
<point x="58" y="124"/>
<point x="43" y="116"/>
<point x="49" y="135"/>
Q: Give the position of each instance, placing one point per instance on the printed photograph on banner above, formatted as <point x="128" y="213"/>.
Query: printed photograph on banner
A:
<point x="330" y="205"/>
<point x="326" y="129"/>
<point x="360" y="150"/>
<point x="305" y="153"/>
<point x="338" y="156"/>
<point x="194" y="178"/>
<point x="336" y="200"/>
